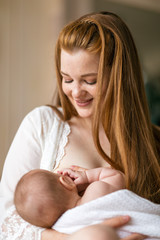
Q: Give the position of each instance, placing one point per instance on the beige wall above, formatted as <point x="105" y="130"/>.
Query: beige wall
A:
<point x="28" y="31"/>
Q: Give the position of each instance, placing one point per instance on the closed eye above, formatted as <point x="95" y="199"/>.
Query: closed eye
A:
<point x="67" y="80"/>
<point x="90" y="83"/>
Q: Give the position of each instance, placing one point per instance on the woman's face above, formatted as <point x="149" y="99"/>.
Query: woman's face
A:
<point x="79" y="70"/>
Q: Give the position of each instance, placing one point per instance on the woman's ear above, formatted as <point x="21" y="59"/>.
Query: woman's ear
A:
<point x="67" y="182"/>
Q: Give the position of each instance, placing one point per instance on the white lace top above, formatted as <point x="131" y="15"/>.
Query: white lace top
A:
<point x="39" y="143"/>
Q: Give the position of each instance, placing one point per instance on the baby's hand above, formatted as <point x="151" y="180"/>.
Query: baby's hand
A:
<point x="79" y="177"/>
<point x="68" y="172"/>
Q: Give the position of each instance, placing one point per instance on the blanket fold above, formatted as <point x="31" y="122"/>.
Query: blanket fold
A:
<point x="145" y="215"/>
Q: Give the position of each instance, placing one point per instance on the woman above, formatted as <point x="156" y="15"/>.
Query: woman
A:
<point x="104" y="120"/>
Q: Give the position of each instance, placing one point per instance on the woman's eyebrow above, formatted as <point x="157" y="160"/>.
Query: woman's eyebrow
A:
<point x="89" y="74"/>
<point x="83" y="75"/>
<point x="64" y="73"/>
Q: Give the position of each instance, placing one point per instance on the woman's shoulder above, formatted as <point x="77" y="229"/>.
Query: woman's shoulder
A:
<point x="45" y="114"/>
<point x="42" y="119"/>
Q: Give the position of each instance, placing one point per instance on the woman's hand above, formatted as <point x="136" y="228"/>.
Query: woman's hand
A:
<point x="121" y="221"/>
<point x="50" y="234"/>
<point x="134" y="236"/>
<point x="116" y="222"/>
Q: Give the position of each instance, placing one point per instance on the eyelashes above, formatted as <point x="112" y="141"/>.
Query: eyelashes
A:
<point x="89" y="83"/>
<point x="68" y="81"/>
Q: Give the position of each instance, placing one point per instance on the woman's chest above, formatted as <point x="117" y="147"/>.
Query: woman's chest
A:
<point x="81" y="151"/>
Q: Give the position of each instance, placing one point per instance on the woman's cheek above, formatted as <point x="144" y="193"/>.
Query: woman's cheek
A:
<point x="65" y="88"/>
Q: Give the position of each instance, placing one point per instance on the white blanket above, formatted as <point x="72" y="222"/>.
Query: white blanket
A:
<point x="145" y="215"/>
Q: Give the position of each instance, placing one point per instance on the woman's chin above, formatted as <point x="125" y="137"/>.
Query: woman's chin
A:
<point x="84" y="114"/>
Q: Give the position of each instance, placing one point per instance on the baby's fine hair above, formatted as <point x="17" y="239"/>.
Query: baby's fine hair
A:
<point x="38" y="198"/>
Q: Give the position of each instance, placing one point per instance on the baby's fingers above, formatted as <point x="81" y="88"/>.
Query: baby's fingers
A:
<point x="69" y="172"/>
<point x="65" y="171"/>
<point x="77" y="168"/>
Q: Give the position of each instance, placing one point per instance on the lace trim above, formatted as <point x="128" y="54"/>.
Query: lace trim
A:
<point x="62" y="144"/>
<point x="15" y="228"/>
<point x="55" y="144"/>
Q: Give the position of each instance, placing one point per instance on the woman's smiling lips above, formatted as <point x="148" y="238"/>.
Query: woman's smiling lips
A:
<point x="83" y="103"/>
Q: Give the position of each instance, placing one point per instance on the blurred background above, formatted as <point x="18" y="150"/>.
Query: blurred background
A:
<point x="28" y="32"/>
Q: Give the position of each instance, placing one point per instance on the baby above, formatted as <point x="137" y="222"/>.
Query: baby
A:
<point x="41" y="196"/>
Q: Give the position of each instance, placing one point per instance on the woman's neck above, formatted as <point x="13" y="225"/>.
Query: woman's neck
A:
<point x="85" y="123"/>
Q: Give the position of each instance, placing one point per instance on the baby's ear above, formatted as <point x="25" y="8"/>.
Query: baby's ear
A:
<point x="67" y="182"/>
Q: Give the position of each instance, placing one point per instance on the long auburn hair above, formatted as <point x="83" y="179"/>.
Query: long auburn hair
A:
<point x="124" y="114"/>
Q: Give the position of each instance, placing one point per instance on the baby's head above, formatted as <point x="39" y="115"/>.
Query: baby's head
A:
<point x="41" y="197"/>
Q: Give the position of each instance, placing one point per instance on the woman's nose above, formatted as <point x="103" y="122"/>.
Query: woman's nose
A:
<point x="77" y="90"/>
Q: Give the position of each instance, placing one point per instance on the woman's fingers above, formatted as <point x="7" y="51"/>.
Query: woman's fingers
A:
<point x="119" y="221"/>
<point x="116" y="221"/>
<point x="134" y="236"/>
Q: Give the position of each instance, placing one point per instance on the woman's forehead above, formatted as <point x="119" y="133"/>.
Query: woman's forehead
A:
<point x="79" y="60"/>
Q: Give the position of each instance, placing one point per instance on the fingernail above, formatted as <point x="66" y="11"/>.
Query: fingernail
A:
<point x="126" y="218"/>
